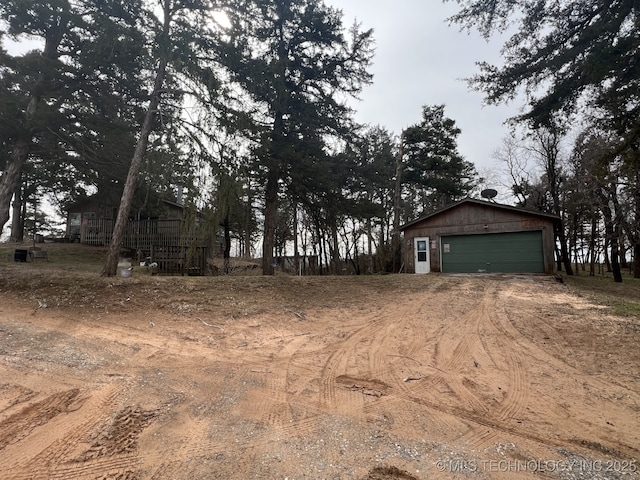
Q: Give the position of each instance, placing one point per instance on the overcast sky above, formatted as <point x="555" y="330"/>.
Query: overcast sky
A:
<point x="421" y="60"/>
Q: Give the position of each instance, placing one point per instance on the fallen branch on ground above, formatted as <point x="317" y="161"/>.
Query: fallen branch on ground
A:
<point x="210" y="324"/>
<point x="40" y="305"/>
<point x="297" y="314"/>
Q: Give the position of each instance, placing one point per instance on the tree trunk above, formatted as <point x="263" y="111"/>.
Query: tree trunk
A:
<point x="558" y="255"/>
<point x="296" y="254"/>
<point x="357" y="257"/>
<point x="564" y="251"/>
<point x="615" y="261"/>
<point x="247" y="245"/>
<point x="616" y="232"/>
<point x="317" y="254"/>
<point x="549" y="141"/>
<point x="226" y="253"/>
<point x="270" y="220"/>
<point x="592" y="246"/>
<point x="370" y="246"/>
<point x="247" y="227"/>
<point x="111" y="264"/>
<point x="322" y="241"/>
<point x="396" y="247"/>
<point x="607" y="261"/>
<point x="623" y="253"/>
<point x="10" y="180"/>
<point x="573" y="246"/>
<point x="334" y="250"/>
<point x="636" y="260"/>
<point x="612" y="240"/>
<point x="274" y="160"/>
<point x="17" y="217"/>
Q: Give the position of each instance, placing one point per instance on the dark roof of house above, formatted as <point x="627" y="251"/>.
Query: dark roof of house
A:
<point x="112" y="199"/>
<point x="485" y="204"/>
<point x="106" y="199"/>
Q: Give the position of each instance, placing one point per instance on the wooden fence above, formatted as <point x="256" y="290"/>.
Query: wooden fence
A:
<point x="169" y="243"/>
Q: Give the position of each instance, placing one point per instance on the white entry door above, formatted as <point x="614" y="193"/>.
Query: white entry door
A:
<point x="421" y="255"/>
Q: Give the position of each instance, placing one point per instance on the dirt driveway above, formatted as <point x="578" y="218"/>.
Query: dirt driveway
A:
<point x="389" y="377"/>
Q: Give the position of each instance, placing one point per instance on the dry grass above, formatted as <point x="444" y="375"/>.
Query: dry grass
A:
<point x="623" y="298"/>
<point x="61" y="256"/>
<point x="70" y="278"/>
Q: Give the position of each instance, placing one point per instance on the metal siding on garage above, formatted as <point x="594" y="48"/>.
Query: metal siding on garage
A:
<point x="517" y="252"/>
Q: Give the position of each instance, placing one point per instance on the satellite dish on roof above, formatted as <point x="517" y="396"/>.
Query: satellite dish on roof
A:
<point x="489" y="193"/>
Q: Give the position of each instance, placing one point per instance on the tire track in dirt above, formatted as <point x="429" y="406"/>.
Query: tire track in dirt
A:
<point x="476" y="336"/>
<point x="273" y="386"/>
<point x="407" y="368"/>
<point x="517" y="390"/>
<point x="361" y="362"/>
<point x="55" y="452"/>
<point x="492" y="341"/>
<point x="121" y="435"/>
<point x="416" y="329"/>
<point x="453" y="352"/>
<point x="278" y="407"/>
<point x="371" y="361"/>
<point x="11" y="395"/>
<point x="116" y="468"/>
<point x="366" y="361"/>
<point x="509" y="340"/>
<point x="338" y="361"/>
<point x="555" y="410"/>
<point x="481" y="436"/>
<point x="20" y="424"/>
<point x="112" y="454"/>
<point x="486" y="331"/>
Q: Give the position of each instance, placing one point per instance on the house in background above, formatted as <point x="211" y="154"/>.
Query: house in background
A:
<point x="90" y="220"/>
<point x="478" y="236"/>
<point x="174" y="237"/>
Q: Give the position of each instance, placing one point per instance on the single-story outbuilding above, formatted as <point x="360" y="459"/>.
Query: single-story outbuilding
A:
<point x="478" y="236"/>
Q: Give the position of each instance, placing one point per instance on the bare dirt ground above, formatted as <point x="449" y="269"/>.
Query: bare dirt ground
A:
<point x="388" y="377"/>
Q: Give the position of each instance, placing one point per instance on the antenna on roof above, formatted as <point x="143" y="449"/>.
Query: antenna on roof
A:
<point x="489" y="194"/>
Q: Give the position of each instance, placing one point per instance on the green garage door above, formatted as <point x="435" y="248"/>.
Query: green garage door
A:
<point x="517" y="252"/>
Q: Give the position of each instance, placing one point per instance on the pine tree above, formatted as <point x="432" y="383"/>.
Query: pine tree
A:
<point x="434" y="171"/>
<point x="295" y="63"/>
<point x="563" y="55"/>
<point x="71" y="101"/>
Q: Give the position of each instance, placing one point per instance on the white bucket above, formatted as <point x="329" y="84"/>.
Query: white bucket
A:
<point x="126" y="272"/>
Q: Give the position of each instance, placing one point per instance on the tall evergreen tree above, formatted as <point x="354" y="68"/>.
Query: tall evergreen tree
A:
<point x="434" y="172"/>
<point x="67" y="98"/>
<point x="49" y="21"/>
<point x="297" y="64"/>
<point x="430" y="172"/>
<point x="376" y="153"/>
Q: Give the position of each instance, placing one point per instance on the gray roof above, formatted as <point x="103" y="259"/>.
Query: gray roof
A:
<point x="483" y="203"/>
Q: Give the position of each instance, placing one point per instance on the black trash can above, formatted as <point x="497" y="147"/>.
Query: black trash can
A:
<point x="20" y="255"/>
